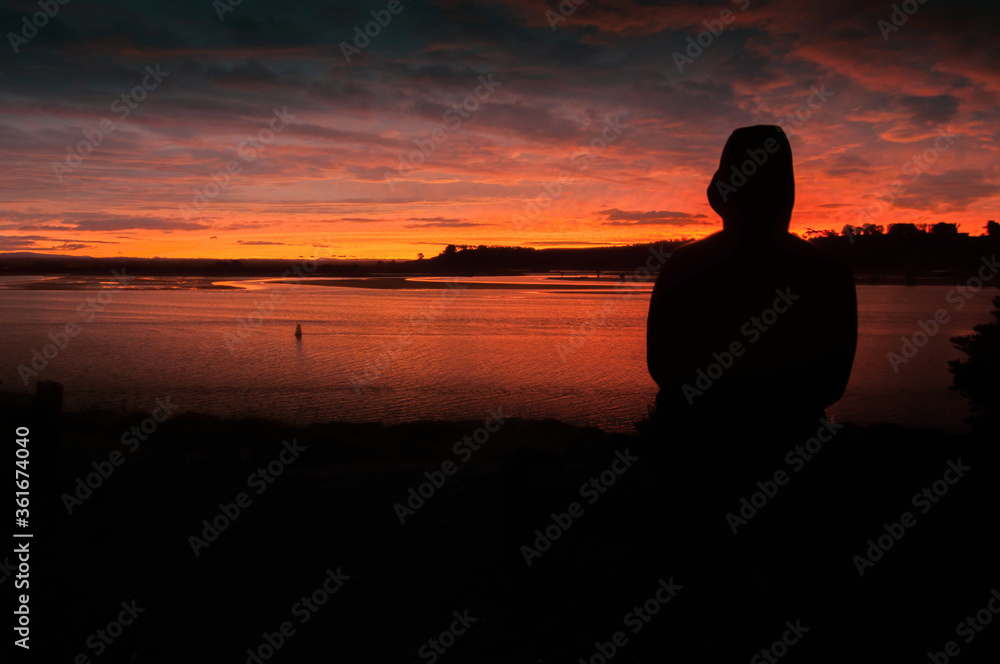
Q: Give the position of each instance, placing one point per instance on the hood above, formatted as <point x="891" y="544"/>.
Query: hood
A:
<point x="754" y="189"/>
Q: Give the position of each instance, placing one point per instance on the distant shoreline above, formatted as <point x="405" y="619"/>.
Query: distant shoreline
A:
<point x="406" y="282"/>
<point x="403" y="283"/>
<point x="77" y="282"/>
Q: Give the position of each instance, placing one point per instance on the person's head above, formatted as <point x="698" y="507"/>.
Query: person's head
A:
<point x="754" y="189"/>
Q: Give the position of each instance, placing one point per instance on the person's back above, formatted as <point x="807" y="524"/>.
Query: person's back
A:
<point x="751" y="326"/>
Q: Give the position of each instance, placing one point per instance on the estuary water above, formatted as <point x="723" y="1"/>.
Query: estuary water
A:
<point x="394" y="355"/>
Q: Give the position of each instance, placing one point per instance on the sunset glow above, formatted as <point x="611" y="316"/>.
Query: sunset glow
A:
<point x="177" y="130"/>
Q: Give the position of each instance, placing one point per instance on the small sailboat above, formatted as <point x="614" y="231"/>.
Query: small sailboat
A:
<point x="298" y="330"/>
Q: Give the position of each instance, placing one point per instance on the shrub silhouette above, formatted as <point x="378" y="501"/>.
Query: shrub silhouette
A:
<point x="976" y="377"/>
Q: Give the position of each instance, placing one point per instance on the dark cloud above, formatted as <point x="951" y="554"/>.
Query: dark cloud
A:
<point x="560" y="243"/>
<point x="13" y="242"/>
<point x="43" y="243"/>
<point x="950" y="191"/>
<point x="930" y="110"/>
<point x="117" y="223"/>
<point x="447" y="224"/>
<point x="850" y="164"/>
<point x="42" y="227"/>
<point x="652" y="218"/>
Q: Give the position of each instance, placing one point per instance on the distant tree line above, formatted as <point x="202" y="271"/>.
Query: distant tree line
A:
<point x="905" y="250"/>
<point x="909" y="250"/>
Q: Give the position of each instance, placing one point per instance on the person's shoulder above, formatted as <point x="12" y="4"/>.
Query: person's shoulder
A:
<point x="709" y="245"/>
<point x="798" y="245"/>
<point x="693" y="258"/>
<point x="806" y="249"/>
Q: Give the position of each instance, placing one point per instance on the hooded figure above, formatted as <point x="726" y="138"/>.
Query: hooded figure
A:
<point x="751" y="325"/>
<point x="751" y="335"/>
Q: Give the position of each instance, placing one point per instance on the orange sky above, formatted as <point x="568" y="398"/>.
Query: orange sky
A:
<point x="610" y="120"/>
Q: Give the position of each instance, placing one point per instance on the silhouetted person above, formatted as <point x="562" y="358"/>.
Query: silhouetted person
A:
<point x="751" y="335"/>
<point x="789" y="305"/>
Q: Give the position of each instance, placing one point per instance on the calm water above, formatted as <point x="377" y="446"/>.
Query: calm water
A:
<point x="430" y="354"/>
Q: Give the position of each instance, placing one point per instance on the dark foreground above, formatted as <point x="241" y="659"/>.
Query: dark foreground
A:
<point x="630" y="560"/>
